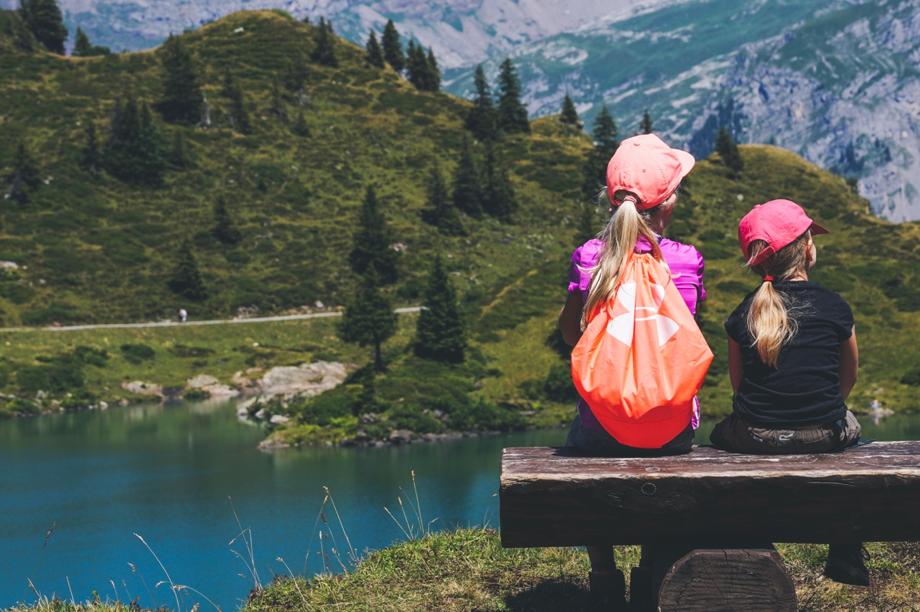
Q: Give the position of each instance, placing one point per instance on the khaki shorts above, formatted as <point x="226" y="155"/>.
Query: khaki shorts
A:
<point x="736" y="434"/>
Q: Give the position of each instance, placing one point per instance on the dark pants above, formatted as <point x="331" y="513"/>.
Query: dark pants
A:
<point x="599" y="443"/>
<point x="736" y="434"/>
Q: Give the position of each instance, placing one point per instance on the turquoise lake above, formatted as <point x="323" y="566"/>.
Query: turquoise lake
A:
<point x="166" y="473"/>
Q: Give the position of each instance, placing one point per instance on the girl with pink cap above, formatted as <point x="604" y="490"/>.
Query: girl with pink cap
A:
<point x="642" y="183"/>
<point x="792" y="357"/>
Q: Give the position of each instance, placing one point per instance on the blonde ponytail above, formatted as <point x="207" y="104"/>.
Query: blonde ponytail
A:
<point x="620" y="238"/>
<point x="770" y="320"/>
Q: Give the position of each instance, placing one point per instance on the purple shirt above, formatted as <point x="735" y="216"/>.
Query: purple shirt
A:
<point x="686" y="265"/>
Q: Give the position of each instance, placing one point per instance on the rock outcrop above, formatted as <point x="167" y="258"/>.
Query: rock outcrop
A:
<point x="213" y="386"/>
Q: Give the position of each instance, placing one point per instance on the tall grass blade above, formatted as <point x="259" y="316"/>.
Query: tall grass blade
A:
<point x="171" y="583"/>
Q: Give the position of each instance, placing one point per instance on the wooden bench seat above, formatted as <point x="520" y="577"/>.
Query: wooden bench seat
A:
<point x="711" y="499"/>
<point x="556" y="497"/>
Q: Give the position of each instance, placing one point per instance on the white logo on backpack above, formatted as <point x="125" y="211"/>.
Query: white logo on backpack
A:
<point x="621" y="327"/>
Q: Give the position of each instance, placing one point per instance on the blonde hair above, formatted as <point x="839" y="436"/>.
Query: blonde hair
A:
<point x="623" y="230"/>
<point x="770" y="319"/>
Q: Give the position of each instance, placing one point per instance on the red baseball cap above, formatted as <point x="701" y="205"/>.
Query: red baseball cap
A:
<point x="778" y="223"/>
<point x="647" y="167"/>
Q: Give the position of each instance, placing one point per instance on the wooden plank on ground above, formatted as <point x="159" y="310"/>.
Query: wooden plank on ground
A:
<point x="555" y="497"/>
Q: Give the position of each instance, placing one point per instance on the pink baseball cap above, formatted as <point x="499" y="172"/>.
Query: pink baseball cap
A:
<point x="778" y="223"/>
<point x="647" y="167"/>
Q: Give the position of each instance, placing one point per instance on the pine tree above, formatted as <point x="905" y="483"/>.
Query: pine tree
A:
<point x="498" y="198"/>
<point x="135" y="151"/>
<point x="300" y="127"/>
<point x="434" y="72"/>
<point x="482" y="120"/>
<point x="512" y="115"/>
<point x="728" y="151"/>
<point x="467" y="196"/>
<point x="369" y="318"/>
<point x="416" y="65"/>
<point x="186" y="279"/>
<point x="83" y="48"/>
<point x="372" y="242"/>
<point x="440" y="333"/>
<point x="239" y="114"/>
<point x="392" y="48"/>
<point x="605" y="136"/>
<point x="24" y="179"/>
<point x="44" y="19"/>
<point x="295" y="78"/>
<point x="374" y="54"/>
<point x="569" y="114"/>
<point x="278" y="107"/>
<point x="588" y="226"/>
<point x="90" y="153"/>
<point x="182" y="95"/>
<point x="225" y="229"/>
<point x="324" y="51"/>
<point x="440" y="211"/>
<point x="645" y="126"/>
<point x="19" y="30"/>
<point x="367" y="399"/>
<point x="178" y="154"/>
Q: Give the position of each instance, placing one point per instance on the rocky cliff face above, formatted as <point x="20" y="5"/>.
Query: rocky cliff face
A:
<point x="463" y="32"/>
<point x="836" y="82"/>
<point x="846" y="97"/>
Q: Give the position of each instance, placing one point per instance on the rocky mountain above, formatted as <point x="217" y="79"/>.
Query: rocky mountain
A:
<point x="835" y="82"/>
<point x="463" y="32"/>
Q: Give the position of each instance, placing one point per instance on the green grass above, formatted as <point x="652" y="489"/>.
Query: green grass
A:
<point x="467" y="570"/>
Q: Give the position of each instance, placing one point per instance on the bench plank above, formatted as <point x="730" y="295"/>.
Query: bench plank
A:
<point x="555" y="497"/>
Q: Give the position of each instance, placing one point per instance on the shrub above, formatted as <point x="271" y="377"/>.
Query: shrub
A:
<point x="912" y="378"/>
<point x="18" y="406"/>
<point x="481" y="415"/>
<point x="196" y="395"/>
<point x="90" y="356"/>
<point x="323" y="408"/>
<point x="79" y="399"/>
<point x="558" y="385"/>
<point x="414" y="418"/>
<point x="180" y="350"/>
<point x="52" y="378"/>
<point x="136" y="353"/>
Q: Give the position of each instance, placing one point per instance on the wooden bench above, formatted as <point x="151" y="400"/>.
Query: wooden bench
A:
<point x="711" y="499"/>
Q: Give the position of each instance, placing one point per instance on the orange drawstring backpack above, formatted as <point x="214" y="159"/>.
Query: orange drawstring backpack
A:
<point x="642" y="358"/>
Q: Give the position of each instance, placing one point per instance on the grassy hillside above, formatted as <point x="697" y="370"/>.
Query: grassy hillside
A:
<point x="92" y="248"/>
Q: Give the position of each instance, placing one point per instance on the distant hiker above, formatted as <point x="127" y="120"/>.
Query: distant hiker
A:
<point x="642" y="183"/>
<point x="792" y="357"/>
<point x="182" y="315"/>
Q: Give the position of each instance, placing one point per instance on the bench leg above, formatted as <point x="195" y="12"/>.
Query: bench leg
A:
<point x="716" y="580"/>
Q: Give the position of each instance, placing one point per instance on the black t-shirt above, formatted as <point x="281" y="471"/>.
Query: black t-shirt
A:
<point x="805" y="387"/>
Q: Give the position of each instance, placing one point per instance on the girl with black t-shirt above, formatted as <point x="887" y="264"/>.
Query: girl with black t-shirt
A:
<point x="792" y="357"/>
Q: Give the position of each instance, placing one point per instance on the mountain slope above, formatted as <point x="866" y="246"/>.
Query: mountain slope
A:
<point x="834" y="81"/>
<point x="92" y="248"/>
<point x="462" y="32"/>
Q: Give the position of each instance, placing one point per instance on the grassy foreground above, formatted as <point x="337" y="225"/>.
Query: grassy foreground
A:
<point x="468" y="570"/>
